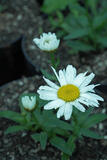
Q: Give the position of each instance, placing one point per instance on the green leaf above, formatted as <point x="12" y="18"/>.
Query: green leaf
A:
<point x="82" y="116"/>
<point x="38" y="116"/>
<point x="54" y="5"/>
<point x="103" y="41"/>
<point x="94" y="119"/>
<point x="61" y="132"/>
<point x="48" y="75"/>
<point x="100" y="20"/>
<point x="41" y="137"/>
<point x="79" y="46"/>
<point x="91" y="134"/>
<point x="60" y="144"/>
<point x="15" y="128"/>
<point x="52" y="121"/>
<point x="77" y="33"/>
<point x="77" y="9"/>
<point x="17" y="117"/>
<point x="92" y="4"/>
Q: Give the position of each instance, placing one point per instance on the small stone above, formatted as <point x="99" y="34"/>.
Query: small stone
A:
<point x="19" y="17"/>
<point x="23" y="134"/>
<point x="20" y="83"/>
<point x="32" y="47"/>
<point x="43" y="158"/>
<point x="6" y="141"/>
<point x="101" y="126"/>
<point x="32" y="87"/>
<point x="103" y="110"/>
<point x="105" y="137"/>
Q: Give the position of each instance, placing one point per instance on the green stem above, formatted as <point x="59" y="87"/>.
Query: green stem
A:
<point x="52" y="57"/>
<point x="54" y="61"/>
<point x="65" y="157"/>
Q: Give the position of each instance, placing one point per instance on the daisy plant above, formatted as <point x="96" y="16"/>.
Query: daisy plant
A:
<point x="48" y="43"/>
<point x="67" y="115"/>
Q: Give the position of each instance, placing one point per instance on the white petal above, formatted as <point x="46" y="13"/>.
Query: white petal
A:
<point x="68" y="111"/>
<point x="87" y="80"/>
<point x="79" y="79"/>
<point x="56" y="74"/>
<point x="70" y="73"/>
<point x="47" y="88"/>
<point x="62" y="78"/>
<point x="92" y="96"/>
<point x="79" y="106"/>
<point x="84" y="102"/>
<point x="47" y="95"/>
<point x="36" y="40"/>
<point x="61" y="111"/>
<point x="87" y="88"/>
<point x="88" y="102"/>
<point x="51" y="84"/>
<point x="54" y="104"/>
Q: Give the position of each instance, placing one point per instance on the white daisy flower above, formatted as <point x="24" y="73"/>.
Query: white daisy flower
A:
<point x="48" y="42"/>
<point x="74" y="90"/>
<point x="28" y="102"/>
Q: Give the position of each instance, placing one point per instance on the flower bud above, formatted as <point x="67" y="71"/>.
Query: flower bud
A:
<point x="28" y="102"/>
<point x="48" y="42"/>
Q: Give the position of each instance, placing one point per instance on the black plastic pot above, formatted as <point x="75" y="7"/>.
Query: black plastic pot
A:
<point x="13" y="62"/>
<point x="33" y="69"/>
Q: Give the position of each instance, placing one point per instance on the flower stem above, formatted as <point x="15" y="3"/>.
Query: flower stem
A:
<point x="52" y="57"/>
<point x="54" y="62"/>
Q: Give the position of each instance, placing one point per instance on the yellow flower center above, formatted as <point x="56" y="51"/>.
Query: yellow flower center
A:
<point x="68" y="92"/>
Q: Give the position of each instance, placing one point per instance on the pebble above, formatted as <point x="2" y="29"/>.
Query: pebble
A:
<point x="101" y="127"/>
<point x="19" y="17"/>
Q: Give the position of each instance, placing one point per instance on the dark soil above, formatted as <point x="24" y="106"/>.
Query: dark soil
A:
<point x="20" y="17"/>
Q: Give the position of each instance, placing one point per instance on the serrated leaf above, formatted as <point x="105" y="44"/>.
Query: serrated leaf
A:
<point x="91" y="134"/>
<point x="41" y="137"/>
<point x="61" y="145"/>
<point x="77" y="33"/>
<point x="17" y="117"/>
<point x="15" y="128"/>
<point x="94" y="119"/>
